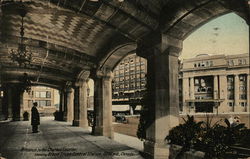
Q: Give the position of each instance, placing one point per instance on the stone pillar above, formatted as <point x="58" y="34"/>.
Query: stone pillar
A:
<point x="83" y="104"/>
<point x="70" y="104"/>
<point x="76" y="111"/>
<point x="216" y="89"/>
<point x="248" y="94"/>
<point x="65" y="110"/>
<point x="61" y="104"/>
<point x="131" y="110"/>
<point x="192" y="91"/>
<point x="236" y="93"/>
<point x="81" y="100"/>
<point x="162" y="54"/>
<point x="9" y="104"/>
<point x="185" y="94"/>
<point x="223" y="107"/>
<point x="2" y="115"/>
<point x="103" y="104"/>
<point x="192" y="88"/>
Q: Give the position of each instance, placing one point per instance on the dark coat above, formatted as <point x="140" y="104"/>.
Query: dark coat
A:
<point x="35" y="118"/>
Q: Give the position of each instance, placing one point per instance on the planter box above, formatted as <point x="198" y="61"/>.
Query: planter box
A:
<point x="175" y="153"/>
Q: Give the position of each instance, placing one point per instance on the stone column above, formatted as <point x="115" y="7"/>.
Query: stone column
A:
<point x="162" y="54"/>
<point x="236" y="93"/>
<point x="70" y="104"/>
<point x="185" y="94"/>
<point x="216" y="87"/>
<point x="223" y="107"/>
<point x="83" y="104"/>
<point x="248" y="94"/>
<point x="76" y="111"/>
<point x="65" y="110"/>
<point x="131" y="109"/>
<point x="192" y="88"/>
<point x="2" y="115"/>
<point x="61" y="104"/>
<point x="192" y="96"/>
<point x="9" y="104"/>
<point x="103" y="104"/>
<point x="80" y="99"/>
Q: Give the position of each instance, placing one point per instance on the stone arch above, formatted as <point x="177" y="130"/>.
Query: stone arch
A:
<point x="187" y="16"/>
<point x="117" y="54"/>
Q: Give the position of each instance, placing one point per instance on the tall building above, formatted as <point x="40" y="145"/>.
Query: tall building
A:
<point x="129" y="81"/>
<point x="215" y="84"/>
<point x="46" y="98"/>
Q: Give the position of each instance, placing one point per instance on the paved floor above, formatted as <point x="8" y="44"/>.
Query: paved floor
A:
<point x="58" y="140"/>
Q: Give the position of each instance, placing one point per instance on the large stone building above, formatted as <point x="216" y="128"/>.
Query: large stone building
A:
<point x="45" y="97"/>
<point x="129" y="82"/>
<point x="215" y="84"/>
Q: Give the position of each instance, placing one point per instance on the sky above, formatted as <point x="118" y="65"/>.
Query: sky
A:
<point x="227" y="34"/>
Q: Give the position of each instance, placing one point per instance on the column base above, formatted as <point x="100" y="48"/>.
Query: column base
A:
<point x="100" y="131"/>
<point x="83" y="124"/>
<point x="75" y="123"/>
<point x="155" y="150"/>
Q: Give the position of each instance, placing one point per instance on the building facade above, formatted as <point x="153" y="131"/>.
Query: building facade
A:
<point x="45" y="98"/>
<point x="215" y="84"/>
<point x="129" y="81"/>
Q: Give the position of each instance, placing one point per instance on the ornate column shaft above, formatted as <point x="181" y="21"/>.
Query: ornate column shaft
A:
<point x="162" y="54"/>
<point x="103" y="104"/>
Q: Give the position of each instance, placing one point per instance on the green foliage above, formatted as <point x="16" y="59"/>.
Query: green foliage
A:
<point x="187" y="134"/>
<point x="215" y="140"/>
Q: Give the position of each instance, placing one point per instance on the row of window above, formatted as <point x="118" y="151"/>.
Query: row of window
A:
<point x="131" y="85"/>
<point x="231" y="104"/>
<point x="40" y="103"/>
<point x="41" y="94"/>
<point x="203" y="64"/>
<point x="234" y="62"/>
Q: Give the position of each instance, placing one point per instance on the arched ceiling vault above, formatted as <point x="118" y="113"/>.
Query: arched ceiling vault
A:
<point x="70" y="36"/>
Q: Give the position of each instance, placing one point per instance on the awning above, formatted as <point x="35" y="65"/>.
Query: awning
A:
<point x="204" y="100"/>
<point x="120" y="107"/>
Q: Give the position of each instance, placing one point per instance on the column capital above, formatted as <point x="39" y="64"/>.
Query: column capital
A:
<point x="83" y="76"/>
<point x="104" y="73"/>
<point x="158" y="43"/>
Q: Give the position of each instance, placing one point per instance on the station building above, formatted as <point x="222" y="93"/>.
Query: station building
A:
<point x="215" y="84"/>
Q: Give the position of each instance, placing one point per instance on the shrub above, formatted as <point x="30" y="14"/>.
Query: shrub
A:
<point x="215" y="140"/>
<point x="25" y="116"/>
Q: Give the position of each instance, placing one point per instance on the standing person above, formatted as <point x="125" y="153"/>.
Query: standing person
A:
<point x="35" y="118"/>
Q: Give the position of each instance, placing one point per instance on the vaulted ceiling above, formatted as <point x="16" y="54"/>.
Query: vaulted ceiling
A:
<point x="70" y="36"/>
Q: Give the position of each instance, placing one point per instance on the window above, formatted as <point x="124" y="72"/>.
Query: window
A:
<point x="243" y="96"/>
<point x="48" y="94"/>
<point x="231" y="62"/>
<point x="195" y="65"/>
<point x="211" y="63"/>
<point x="230" y="104"/>
<point x="240" y="62"/>
<point x="37" y="94"/>
<point x="242" y="78"/>
<point x="243" y="104"/>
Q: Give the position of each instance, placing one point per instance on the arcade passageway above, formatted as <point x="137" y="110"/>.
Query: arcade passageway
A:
<point x="64" y="43"/>
<point x="57" y="140"/>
